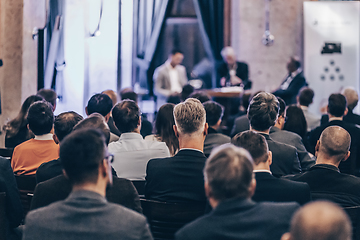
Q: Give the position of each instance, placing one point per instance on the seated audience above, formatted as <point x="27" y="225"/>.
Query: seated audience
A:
<point x="337" y="110"/>
<point x="295" y="121"/>
<point x="324" y="178"/>
<point x="85" y="214"/>
<point x="279" y="134"/>
<point x="304" y="99"/>
<point x="49" y="95"/>
<point x="63" y="125"/>
<point x="13" y="206"/>
<point x="114" y="99"/>
<point x="58" y="188"/>
<point x="164" y="128"/>
<point x="131" y="151"/>
<point x="201" y="96"/>
<point x="180" y="178"/>
<point x="268" y="187"/>
<point x="352" y="99"/>
<point x="229" y="186"/>
<point x="319" y="221"/>
<point x="186" y="91"/>
<point x="214" y="114"/>
<point x="29" y="155"/>
<point x="262" y="113"/>
<point x="16" y="131"/>
<point x="146" y="126"/>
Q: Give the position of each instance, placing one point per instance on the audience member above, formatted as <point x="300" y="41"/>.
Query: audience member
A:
<point x="180" y="178"/>
<point x="352" y="99"/>
<point x="112" y="95"/>
<point x="214" y="114"/>
<point x="319" y="220"/>
<point x="146" y="126"/>
<point x="101" y="103"/>
<point x="58" y="188"/>
<point x="13" y="206"/>
<point x="201" y="96"/>
<point x="16" y="131"/>
<point x="131" y="151"/>
<point x="336" y="110"/>
<point x="186" y="91"/>
<point x="63" y="125"/>
<point x="262" y="113"/>
<point x="292" y="83"/>
<point x="29" y="155"/>
<point x="114" y="99"/>
<point x="279" y="134"/>
<point x="296" y="121"/>
<point x="324" y="178"/>
<point x="304" y="99"/>
<point x="49" y="95"/>
<point x="268" y="187"/>
<point x="164" y="128"/>
<point x="85" y="214"/>
<point x="229" y="186"/>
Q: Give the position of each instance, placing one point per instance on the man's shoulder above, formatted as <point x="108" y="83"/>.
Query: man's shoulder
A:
<point x="284" y="208"/>
<point x="283" y="147"/>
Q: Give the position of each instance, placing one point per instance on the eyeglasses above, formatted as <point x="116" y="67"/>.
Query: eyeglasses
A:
<point x="110" y="158"/>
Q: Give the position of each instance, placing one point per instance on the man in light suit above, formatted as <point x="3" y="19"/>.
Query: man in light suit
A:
<point x="268" y="187"/>
<point x="170" y="77"/>
<point x="85" y="214"/>
<point x="229" y="185"/>
<point x="292" y="84"/>
<point x="262" y="113"/>
<point x="180" y="178"/>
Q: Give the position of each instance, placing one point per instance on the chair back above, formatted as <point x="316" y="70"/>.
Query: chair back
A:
<point x="166" y="218"/>
<point x="140" y="186"/>
<point x="26" y="185"/>
<point x="3" y="218"/>
<point x="6" y="152"/>
<point x="354" y="215"/>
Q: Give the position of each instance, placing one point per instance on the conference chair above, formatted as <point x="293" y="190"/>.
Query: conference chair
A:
<point x="26" y="185"/>
<point x="3" y="218"/>
<point x="354" y="215"/>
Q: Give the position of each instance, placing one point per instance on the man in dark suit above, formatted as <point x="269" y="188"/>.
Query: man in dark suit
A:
<point x="229" y="185"/>
<point x="352" y="99"/>
<point x="324" y="178"/>
<point x="292" y="84"/>
<point x="262" y="113"/>
<point x="320" y="220"/>
<point x="268" y="187"/>
<point x="85" y="213"/>
<point x="214" y="113"/>
<point x="336" y="110"/>
<point x="180" y="178"/>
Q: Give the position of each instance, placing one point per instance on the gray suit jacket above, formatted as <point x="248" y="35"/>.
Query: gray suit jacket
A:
<point x="85" y="215"/>
<point x="241" y="124"/>
<point x="214" y="139"/>
<point x="162" y="80"/>
<point x="294" y="140"/>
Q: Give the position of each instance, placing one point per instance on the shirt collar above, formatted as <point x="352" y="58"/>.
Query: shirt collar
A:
<point x="168" y="65"/>
<point x="48" y="136"/>
<point x="191" y="149"/>
<point x="262" y="170"/>
<point x="296" y="72"/>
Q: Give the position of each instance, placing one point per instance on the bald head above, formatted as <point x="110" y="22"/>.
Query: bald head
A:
<point x="334" y="142"/>
<point x="319" y="221"/>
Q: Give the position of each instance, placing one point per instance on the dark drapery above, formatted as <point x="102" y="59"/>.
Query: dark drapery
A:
<point x="210" y="14"/>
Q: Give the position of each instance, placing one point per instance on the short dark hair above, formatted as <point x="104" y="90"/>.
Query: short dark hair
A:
<point x="254" y="143"/>
<point x="229" y="172"/>
<point x="186" y="91"/>
<point x="337" y="104"/>
<point x="306" y="96"/>
<point x="49" y="95"/>
<point x="201" y="96"/>
<point x="131" y="95"/>
<point x="214" y="112"/>
<point x="40" y="117"/>
<point x="100" y="103"/>
<point x="282" y="106"/>
<point x="126" y="115"/>
<point x="263" y="111"/>
<point x="65" y="122"/>
<point x="81" y="153"/>
<point x="95" y="121"/>
<point x="296" y="61"/>
<point x="175" y="51"/>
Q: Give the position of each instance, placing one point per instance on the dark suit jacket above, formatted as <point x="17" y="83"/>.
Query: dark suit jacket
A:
<point x="326" y="182"/>
<point x="285" y="158"/>
<point x="272" y="189"/>
<point x="214" y="139"/>
<point x="241" y="219"/>
<point x="352" y="118"/>
<point x="352" y="164"/>
<point x="13" y="207"/>
<point x="176" y="179"/>
<point x="241" y="124"/>
<point x="242" y="72"/>
<point x="294" y="140"/>
<point x="85" y="215"/>
<point x="58" y="188"/>
<point x="289" y="94"/>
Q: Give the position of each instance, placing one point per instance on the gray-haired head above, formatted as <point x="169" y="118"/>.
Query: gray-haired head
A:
<point x="351" y="96"/>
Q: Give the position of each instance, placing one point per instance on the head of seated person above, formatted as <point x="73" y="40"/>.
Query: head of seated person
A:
<point x="214" y="114"/>
<point x="127" y="116"/>
<point x="40" y="118"/>
<point x="337" y="105"/>
<point x="99" y="103"/>
<point x="64" y="124"/>
<point x="49" y="95"/>
<point x="201" y="96"/>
